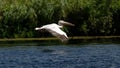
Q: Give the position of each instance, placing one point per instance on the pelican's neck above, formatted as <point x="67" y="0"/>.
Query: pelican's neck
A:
<point x="60" y="23"/>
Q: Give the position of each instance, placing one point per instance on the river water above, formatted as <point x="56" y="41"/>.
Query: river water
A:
<point x="92" y="53"/>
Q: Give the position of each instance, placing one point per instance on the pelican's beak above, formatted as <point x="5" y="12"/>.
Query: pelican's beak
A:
<point x="69" y="24"/>
<point x="61" y="22"/>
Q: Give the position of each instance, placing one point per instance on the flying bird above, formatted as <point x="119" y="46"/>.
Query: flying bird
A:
<point x="55" y="29"/>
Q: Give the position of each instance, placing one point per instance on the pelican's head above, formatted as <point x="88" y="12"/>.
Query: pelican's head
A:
<point x="61" y="23"/>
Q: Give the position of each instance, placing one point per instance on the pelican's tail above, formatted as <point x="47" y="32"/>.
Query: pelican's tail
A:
<point x="38" y="28"/>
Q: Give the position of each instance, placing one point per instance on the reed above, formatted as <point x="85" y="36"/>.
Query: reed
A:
<point x="18" y="18"/>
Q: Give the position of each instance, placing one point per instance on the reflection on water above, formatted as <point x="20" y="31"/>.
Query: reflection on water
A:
<point x="79" y="53"/>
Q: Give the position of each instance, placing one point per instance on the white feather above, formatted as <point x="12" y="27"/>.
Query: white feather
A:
<point x="55" y="30"/>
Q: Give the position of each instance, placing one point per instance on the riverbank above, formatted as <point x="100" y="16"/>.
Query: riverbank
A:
<point x="54" y="38"/>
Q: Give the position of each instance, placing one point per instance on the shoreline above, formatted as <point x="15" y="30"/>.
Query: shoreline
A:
<point x="54" y="38"/>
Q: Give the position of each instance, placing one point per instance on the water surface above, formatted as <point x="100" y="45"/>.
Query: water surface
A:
<point x="91" y="53"/>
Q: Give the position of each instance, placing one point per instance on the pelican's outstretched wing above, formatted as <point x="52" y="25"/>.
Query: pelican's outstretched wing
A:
<point x="55" y="30"/>
<point x="59" y="34"/>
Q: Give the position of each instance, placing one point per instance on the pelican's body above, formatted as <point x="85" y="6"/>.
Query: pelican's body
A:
<point x="55" y="30"/>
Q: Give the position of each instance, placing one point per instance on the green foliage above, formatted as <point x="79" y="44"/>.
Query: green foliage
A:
<point x="18" y="18"/>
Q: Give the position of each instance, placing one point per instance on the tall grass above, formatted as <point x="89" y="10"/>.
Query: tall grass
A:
<point x="18" y="18"/>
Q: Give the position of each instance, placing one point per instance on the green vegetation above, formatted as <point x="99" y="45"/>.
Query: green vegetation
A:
<point x="18" y="18"/>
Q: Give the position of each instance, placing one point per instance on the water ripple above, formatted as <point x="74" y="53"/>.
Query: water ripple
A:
<point x="90" y="56"/>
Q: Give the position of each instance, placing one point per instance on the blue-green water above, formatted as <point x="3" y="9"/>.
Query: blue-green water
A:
<point x="93" y="53"/>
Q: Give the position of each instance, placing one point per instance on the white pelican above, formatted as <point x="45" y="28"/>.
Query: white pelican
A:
<point x="55" y="30"/>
